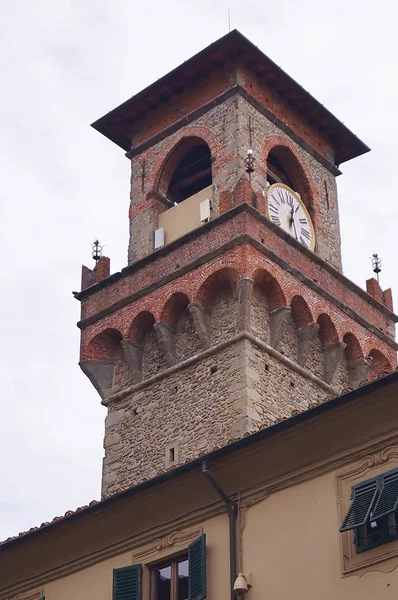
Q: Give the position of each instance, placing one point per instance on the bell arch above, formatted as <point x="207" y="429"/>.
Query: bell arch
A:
<point x="284" y="165"/>
<point x="186" y="170"/>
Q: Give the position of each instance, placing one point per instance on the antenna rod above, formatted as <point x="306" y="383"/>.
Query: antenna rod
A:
<point x="229" y="20"/>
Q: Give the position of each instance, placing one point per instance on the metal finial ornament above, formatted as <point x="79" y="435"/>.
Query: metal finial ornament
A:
<point x="97" y="250"/>
<point x="249" y="161"/>
<point x="376" y="264"/>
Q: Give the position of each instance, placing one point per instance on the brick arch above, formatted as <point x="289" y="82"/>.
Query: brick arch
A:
<point x="141" y="325"/>
<point x="297" y="167"/>
<point x="224" y="278"/>
<point x="327" y="330"/>
<point x="175" y="150"/>
<point x="301" y="312"/>
<point x="173" y="308"/>
<point x="271" y="286"/>
<point x="353" y="350"/>
<point x="105" y="345"/>
<point x="380" y="365"/>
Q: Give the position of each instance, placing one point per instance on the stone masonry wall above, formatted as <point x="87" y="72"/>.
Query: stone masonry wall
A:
<point x="193" y="410"/>
<point x="245" y="384"/>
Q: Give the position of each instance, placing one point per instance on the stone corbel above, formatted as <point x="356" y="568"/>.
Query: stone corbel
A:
<point x="332" y="356"/>
<point x="100" y="373"/>
<point x="201" y="321"/>
<point x="358" y="372"/>
<point x="133" y="357"/>
<point x="245" y="288"/>
<point x="306" y="336"/>
<point x="165" y="337"/>
<point x="279" y="319"/>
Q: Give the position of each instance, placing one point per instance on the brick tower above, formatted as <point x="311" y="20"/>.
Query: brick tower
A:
<point x="233" y="312"/>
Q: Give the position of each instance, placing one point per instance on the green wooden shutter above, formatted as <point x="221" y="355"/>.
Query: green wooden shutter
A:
<point x="387" y="502"/>
<point x="197" y="569"/>
<point x="364" y="496"/>
<point x="127" y="583"/>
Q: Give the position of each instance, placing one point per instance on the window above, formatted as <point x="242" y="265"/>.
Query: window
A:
<point x="193" y="173"/>
<point x="170" y="580"/>
<point x="179" y="578"/>
<point x="373" y="513"/>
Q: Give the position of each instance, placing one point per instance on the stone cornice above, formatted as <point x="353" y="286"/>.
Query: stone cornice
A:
<point x="244" y="335"/>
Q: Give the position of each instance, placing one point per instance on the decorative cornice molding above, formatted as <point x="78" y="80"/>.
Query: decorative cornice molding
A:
<point x="36" y="595"/>
<point x="170" y="541"/>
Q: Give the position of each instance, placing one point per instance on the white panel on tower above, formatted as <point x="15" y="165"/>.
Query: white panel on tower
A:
<point x="159" y="238"/>
<point x="205" y="210"/>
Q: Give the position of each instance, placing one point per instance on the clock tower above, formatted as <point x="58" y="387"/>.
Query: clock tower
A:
<point x="233" y="312"/>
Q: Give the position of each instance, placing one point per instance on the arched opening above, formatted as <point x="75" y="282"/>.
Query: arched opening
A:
<point x="218" y="295"/>
<point x="176" y="314"/>
<point x="142" y="334"/>
<point x="283" y="167"/>
<point x="106" y="346"/>
<point x="379" y="364"/>
<point x="173" y="308"/>
<point x="141" y="325"/>
<point x="300" y="312"/>
<point x="353" y="350"/>
<point x="327" y="330"/>
<point x="267" y="297"/>
<point x="188" y="170"/>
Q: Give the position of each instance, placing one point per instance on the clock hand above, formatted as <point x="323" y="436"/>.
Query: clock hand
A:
<point x="291" y="220"/>
<point x="294" y="225"/>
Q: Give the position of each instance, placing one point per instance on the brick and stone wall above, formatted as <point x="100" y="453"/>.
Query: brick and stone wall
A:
<point x="230" y="348"/>
<point x="229" y="129"/>
<point x="235" y="325"/>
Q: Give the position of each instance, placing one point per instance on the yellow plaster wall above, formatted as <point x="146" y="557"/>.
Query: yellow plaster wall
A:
<point x="292" y="545"/>
<point x="95" y="582"/>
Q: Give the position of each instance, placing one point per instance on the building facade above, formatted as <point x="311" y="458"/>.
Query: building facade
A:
<point x="250" y="387"/>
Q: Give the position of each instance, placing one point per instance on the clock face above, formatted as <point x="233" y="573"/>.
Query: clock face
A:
<point x="286" y="210"/>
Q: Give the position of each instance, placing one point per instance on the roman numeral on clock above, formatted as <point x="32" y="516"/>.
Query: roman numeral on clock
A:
<point x="306" y="234"/>
<point x="303" y="241"/>
<point x="303" y="220"/>
<point x="273" y="209"/>
<point x="275" y="219"/>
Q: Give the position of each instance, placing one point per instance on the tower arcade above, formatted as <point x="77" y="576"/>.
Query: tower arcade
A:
<point x="225" y="320"/>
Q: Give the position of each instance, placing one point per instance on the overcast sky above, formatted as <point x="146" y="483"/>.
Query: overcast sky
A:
<point x="65" y="63"/>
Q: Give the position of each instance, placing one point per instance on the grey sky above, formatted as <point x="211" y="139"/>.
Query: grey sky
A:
<point x="65" y="63"/>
